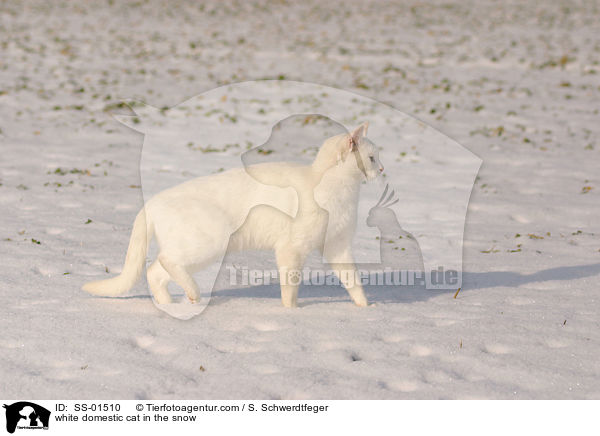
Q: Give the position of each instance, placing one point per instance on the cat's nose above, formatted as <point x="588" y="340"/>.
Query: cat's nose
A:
<point x="381" y="168"/>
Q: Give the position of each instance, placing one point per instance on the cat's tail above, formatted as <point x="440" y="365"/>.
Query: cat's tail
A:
<point x="134" y="262"/>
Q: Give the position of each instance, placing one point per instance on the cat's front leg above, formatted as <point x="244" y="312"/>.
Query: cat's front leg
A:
<point x="289" y="263"/>
<point x="342" y="263"/>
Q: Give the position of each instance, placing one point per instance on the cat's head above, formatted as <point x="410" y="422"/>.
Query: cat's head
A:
<point x="353" y="152"/>
<point x="360" y="155"/>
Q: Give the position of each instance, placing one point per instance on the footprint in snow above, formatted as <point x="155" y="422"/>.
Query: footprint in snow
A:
<point x="497" y="349"/>
<point x="267" y="327"/>
<point x="148" y="343"/>
<point x="420" y="351"/>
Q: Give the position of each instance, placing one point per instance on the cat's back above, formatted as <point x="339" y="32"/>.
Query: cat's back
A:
<point x="231" y="193"/>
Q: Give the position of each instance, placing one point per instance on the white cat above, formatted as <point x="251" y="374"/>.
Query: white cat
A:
<point x="291" y="209"/>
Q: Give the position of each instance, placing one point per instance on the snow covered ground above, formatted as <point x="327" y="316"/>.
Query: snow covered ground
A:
<point x="516" y="83"/>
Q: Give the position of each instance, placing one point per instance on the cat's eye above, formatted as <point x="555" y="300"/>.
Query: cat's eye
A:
<point x="372" y="159"/>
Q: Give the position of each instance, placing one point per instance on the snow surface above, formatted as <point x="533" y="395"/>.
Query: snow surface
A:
<point x="515" y="83"/>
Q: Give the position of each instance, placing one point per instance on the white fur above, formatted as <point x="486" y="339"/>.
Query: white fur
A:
<point x="288" y="208"/>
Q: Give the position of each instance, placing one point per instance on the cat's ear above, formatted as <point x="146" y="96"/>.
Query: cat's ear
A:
<point x="350" y="142"/>
<point x="359" y="132"/>
<point x="355" y="137"/>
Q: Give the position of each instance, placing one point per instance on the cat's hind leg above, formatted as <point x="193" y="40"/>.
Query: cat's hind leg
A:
<point x="158" y="279"/>
<point x="181" y="276"/>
